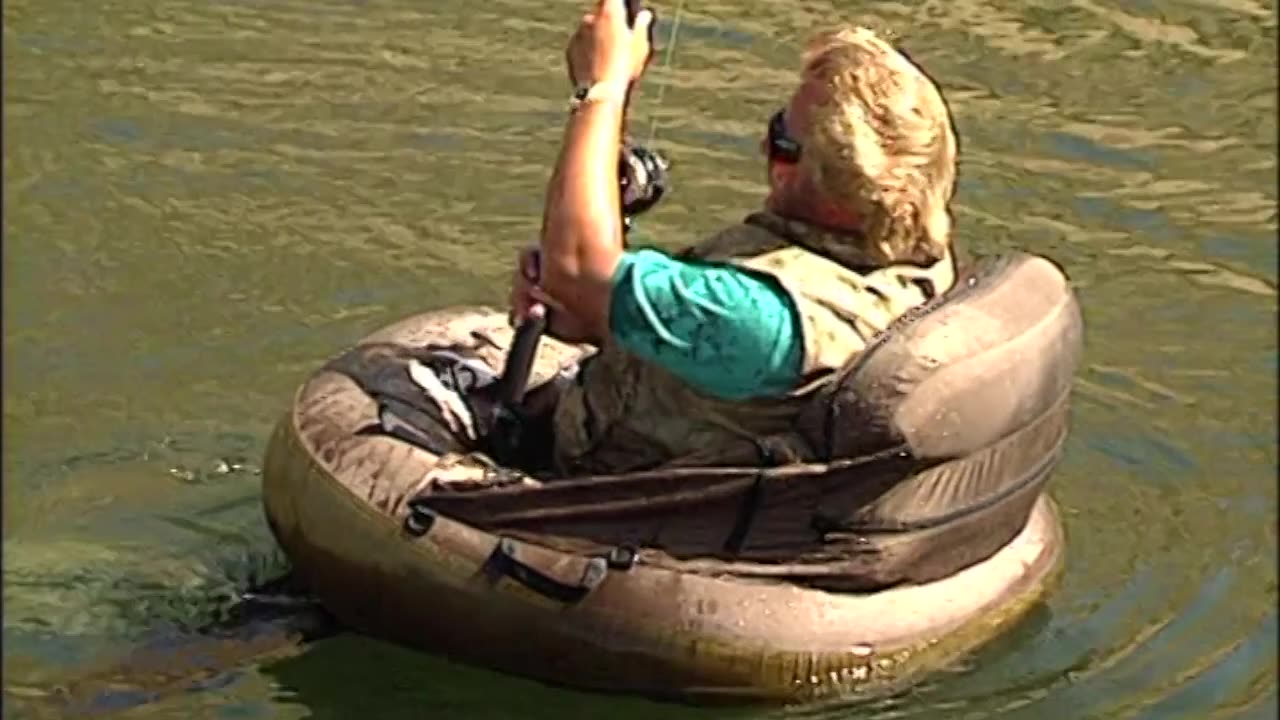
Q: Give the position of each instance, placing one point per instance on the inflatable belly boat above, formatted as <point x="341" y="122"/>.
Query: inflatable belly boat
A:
<point x="920" y="531"/>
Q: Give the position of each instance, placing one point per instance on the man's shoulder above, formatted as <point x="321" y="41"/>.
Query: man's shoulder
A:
<point x="737" y="240"/>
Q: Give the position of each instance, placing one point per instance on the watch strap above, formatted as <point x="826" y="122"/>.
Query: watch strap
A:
<point x="598" y="92"/>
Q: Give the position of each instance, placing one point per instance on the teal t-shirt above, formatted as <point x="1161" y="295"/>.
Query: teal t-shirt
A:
<point x="726" y="331"/>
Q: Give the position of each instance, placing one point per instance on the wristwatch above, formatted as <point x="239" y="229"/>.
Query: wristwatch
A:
<point x="598" y="92"/>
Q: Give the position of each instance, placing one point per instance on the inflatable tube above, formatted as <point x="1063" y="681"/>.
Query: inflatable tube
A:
<point x="337" y="500"/>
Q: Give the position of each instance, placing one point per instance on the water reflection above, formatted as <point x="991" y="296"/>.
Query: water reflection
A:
<point x="204" y="201"/>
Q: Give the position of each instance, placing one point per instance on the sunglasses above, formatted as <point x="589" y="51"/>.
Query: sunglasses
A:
<point x="782" y="148"/>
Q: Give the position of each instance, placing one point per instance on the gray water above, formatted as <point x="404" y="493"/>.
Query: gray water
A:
<point x="205" y="200"/>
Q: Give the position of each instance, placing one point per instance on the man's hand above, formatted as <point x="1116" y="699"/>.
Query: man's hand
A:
<point x="527" y="300"/>
<point x="530" y="301"/>
<point x="605" y="50"/>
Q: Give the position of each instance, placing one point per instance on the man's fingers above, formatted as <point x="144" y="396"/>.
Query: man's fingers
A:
<point x="644" y="19"/>
<point x="615" y="11"/>
<point x="523" y="306"/>
<point x="606" y="9"/>
<point x="642" y="37"/>
<point x="540" y="295"/>
<point x="529" y="263"/>
<point x="527" y="300"/>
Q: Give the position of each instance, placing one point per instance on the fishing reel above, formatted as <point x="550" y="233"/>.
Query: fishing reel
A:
<point x="642" y="180"/>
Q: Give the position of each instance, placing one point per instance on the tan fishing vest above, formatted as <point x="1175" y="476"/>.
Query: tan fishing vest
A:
<point x="626" y="414"/>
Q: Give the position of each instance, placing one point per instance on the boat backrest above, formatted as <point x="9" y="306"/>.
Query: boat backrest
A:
<point x="961" y="373"/>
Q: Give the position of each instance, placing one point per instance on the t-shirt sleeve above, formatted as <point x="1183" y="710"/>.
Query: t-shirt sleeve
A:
<point x="725" y="330"/>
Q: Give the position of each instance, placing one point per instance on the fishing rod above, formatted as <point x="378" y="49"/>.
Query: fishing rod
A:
<point x="642" y="179"/>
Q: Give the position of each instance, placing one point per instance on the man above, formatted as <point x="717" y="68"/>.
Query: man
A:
<point x="708" y="357"/>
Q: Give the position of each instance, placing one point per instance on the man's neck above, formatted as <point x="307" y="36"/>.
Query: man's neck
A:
<point x="834" y="223"/>
<point x="817" y="212"/>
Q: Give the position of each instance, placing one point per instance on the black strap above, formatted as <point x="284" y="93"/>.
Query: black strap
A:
<point x="622" y="557"/>
<point x="504" y="563"/>
<point x="746" y="516"/>
<point x="750" y="504"/>
<point x="420" y="519"/>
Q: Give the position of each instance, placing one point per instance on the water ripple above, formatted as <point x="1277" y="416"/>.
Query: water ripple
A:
<point x="205" y="200"/>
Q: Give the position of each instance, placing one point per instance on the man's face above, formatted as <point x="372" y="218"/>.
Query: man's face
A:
<point x="784" y="177"/>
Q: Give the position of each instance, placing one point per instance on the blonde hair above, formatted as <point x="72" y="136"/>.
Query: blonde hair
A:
<point x="881" y="144"/>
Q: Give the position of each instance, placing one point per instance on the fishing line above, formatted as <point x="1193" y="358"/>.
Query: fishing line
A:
<point x="666" y="69"/>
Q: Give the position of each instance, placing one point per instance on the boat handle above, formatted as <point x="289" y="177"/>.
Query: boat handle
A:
<point x="503" y="562"/>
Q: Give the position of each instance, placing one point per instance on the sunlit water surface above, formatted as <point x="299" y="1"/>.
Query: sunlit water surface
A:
<point x="204" y="200"/>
